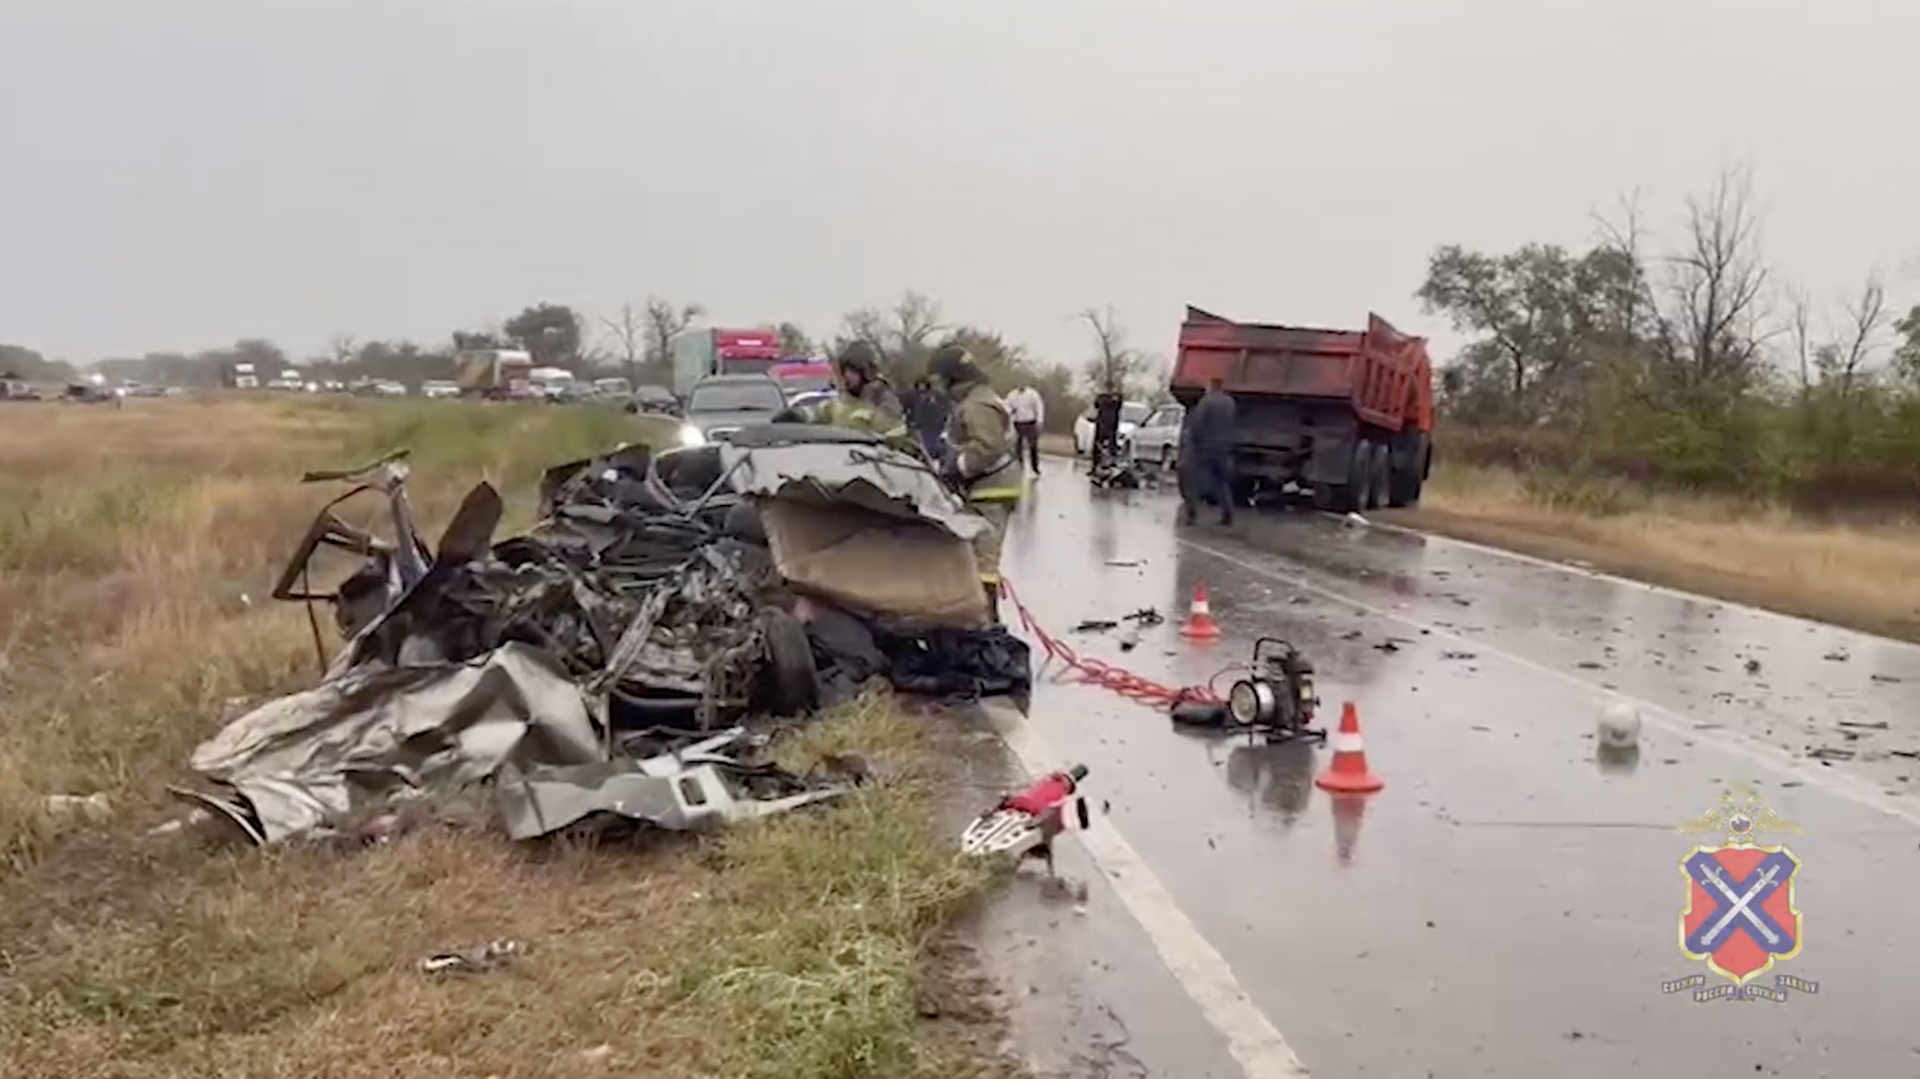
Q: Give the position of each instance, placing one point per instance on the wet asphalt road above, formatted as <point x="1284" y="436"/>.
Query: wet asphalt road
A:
<point x="1508" y="905"/>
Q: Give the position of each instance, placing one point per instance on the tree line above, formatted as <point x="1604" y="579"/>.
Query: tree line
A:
<point x="636" y="342"/>
<point x="1688" y="361"/>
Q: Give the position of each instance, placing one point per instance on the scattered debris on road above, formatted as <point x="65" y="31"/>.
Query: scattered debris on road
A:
<point x="1619" y="726"/>
<point x="587" y="663"/>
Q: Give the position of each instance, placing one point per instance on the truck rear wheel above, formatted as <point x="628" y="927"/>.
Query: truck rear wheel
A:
<point x="1381" y="478"/>
<point x="1359" y="488"/>
<point x="1407" y="482"/>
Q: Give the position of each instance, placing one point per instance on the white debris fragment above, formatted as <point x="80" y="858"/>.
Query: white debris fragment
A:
<point x="1354" y="520"/>
<point x="91" y="806"/>
<point x="1619" y="726"/>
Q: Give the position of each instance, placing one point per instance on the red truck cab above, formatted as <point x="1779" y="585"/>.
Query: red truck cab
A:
<point x="1346" y="415"/>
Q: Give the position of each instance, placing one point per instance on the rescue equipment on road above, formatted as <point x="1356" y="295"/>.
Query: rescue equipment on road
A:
<point x="1277" y="695"/>
<point x="1275" y="698"/>
<point x="1348" y="772"/>
<point x="1026" y="823"/>
<point x="1200" y="625"/>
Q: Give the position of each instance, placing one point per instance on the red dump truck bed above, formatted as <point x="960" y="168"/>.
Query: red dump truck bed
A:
<point x="1346" y="415"/>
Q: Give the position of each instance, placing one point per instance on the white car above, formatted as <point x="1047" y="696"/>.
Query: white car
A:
<point x="1157" y="440"/>
<point x="1131" y="415"/>
<point x="439" y="388"/>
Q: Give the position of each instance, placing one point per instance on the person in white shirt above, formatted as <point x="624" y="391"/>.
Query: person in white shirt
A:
<point x="1028" y="413"/>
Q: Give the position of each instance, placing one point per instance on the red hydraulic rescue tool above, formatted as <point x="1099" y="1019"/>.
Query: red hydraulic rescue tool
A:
<point x="1026" y="823"/>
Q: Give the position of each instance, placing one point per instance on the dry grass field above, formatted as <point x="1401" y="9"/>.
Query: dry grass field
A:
<point x="137" y="547"/>
<point x="1862" y="575"/>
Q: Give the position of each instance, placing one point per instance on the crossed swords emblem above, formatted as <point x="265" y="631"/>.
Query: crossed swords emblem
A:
<point x="1714" y="875"/>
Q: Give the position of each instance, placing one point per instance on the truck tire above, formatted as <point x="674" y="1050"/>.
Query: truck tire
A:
<point x="1359" y="479"/>
<point x="1408" y="482"/>
<point x="1380" y="482"/>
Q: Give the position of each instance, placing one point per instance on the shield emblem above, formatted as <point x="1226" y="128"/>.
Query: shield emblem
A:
<point x="1739" y="917"/>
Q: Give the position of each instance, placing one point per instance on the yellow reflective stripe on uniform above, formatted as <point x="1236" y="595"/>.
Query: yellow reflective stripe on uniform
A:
<point x="994" y="494"/>
<point x="990" y="578"/>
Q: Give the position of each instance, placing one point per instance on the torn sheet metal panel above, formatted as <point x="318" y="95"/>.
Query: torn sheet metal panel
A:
<point x="872" y="477"/>
<point x="379" y="733"/>
<point x="692" y="797"/>
<point x="905" y="572"/>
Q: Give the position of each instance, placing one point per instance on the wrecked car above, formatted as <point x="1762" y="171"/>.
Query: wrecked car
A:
<point x="657" y="593"/>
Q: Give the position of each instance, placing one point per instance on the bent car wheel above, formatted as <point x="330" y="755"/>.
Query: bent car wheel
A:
<point x="791" y="678"/>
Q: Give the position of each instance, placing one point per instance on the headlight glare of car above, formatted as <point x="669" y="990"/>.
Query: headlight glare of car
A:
<point x="691" y="435"/>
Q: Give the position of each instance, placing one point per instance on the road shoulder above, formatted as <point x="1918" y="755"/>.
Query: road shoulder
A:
<point x="1729" y="583"/>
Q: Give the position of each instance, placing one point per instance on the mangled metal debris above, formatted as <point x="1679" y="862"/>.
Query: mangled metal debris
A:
<point x="693" y="789"/>
<point x="672" y="592"/>
<point x="379" y="734"/>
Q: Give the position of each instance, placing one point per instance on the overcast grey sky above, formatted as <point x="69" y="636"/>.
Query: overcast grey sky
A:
<point x="178" y="173"/>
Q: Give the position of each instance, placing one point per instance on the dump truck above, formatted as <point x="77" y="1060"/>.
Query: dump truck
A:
<point x="497" y="373"/>
<point x="1345" y="416"/>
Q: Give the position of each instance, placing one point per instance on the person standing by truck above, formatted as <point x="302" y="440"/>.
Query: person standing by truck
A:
<point x="1206" y="454"/>
<point x="982" y="458"/>
<point x="1028" y="412"/>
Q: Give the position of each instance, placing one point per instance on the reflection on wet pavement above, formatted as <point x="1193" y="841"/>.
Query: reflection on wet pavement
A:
<point x="1507" y="906"/>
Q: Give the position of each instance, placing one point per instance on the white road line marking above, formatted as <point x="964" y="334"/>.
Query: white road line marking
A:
<point x="1861" y="792"/>
<point x="1627" y="582"/>
<point x="1202" y="972"/>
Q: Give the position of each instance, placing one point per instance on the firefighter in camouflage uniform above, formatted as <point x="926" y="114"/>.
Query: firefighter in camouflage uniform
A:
<point x="982" y="457"/>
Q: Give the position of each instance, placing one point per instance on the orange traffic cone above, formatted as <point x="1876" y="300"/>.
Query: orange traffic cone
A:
<point x="1348" y="811"/>
<point x="1200" y="624"/>
<point x="1348" y="773"/>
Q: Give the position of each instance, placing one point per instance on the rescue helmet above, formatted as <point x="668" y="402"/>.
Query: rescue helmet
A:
<point x="860" y="356"/>
<point x="952" y="366"/>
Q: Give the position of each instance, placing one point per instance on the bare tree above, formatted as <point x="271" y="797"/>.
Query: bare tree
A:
<point x="1629" y="294"/>
<point x="915" y="320"/>
<point x="343" y="348"/>
<point x="1800" y="330"/>
<point x="1115" y="366"/>
<point x="664" y="322"/>
<point x="903" y="334"/>
<point x="1866" y="323"/>
<point x="628" y="333"/>
<point x="1713" y="328"/>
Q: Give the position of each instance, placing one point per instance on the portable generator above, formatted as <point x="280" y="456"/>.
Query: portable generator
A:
<point x="1276" y="700"/>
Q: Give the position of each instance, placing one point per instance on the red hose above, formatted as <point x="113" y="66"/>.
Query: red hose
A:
<point x="1099" y="672"/>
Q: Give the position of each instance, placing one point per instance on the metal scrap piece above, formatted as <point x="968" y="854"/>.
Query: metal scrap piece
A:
<point x="685" y="792"/>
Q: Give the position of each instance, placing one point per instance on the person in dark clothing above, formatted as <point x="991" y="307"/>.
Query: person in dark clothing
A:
<point x="1206" y="454"/>
<point x="927" y="411"/>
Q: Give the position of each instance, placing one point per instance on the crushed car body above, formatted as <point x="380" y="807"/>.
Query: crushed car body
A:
<point x="675" y="592"/>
